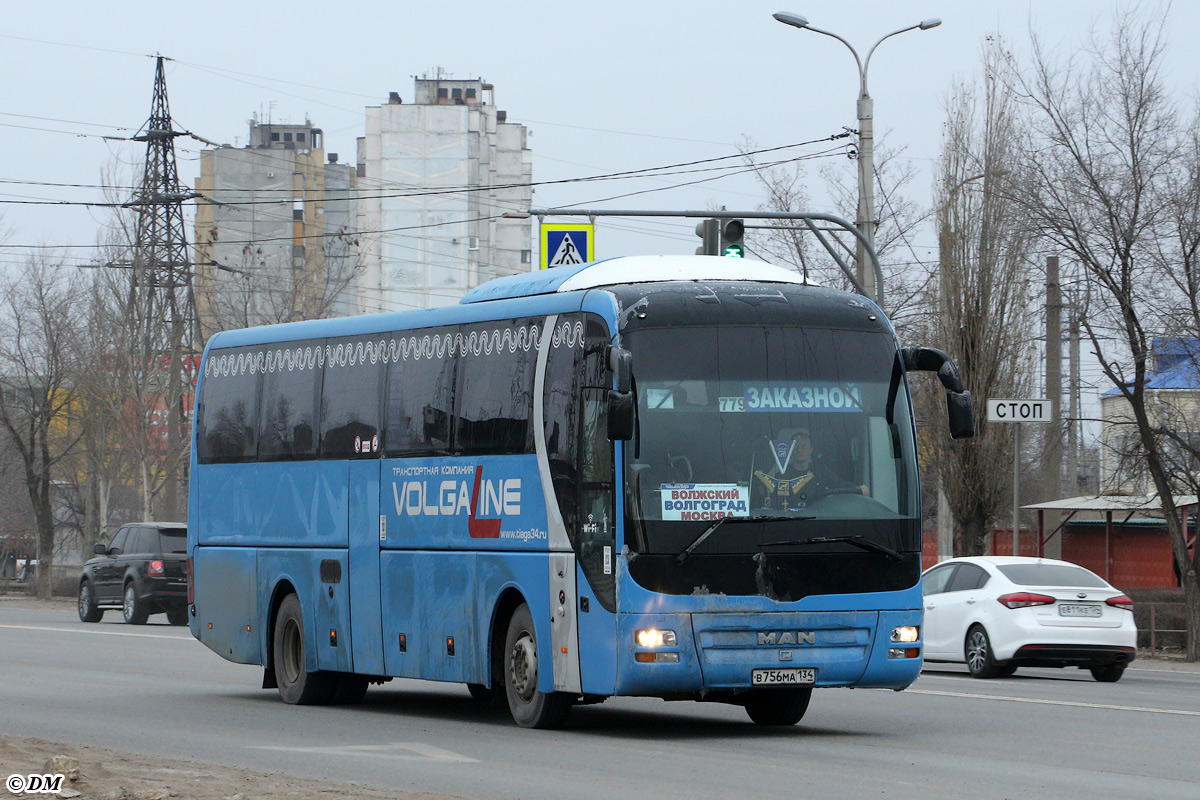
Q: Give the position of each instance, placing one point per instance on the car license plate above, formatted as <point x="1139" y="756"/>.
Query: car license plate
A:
<point x="783" y="677"/>
<point x="1076" y="610"/>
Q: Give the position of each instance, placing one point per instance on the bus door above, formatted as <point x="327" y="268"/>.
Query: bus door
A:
<point x="366" y="534"/>
<point x="595" y="539"/>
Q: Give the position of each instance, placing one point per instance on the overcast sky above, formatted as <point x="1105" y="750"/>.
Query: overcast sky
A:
<point x="603" y="87"/>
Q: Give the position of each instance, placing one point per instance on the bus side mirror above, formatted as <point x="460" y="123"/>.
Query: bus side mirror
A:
<point x="620" y="416"/>
<point x="958" y="400"/>
<point x="930" y="359"/>
<point x="620" y="363"/>
<point x="962" y="416"/>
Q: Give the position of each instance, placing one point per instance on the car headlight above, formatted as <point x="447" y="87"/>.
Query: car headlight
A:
<point x="656" y="638"/>
<point x="906" y="633"/>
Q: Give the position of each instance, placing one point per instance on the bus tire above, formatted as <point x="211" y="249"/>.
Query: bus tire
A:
<point x="529" y="707"/>
<point x="777" y="706"/>
<point x="297" y="686"/>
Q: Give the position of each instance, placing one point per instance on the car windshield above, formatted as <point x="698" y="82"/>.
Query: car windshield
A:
<point x="768" y="421"/>
<point x="1052" y="575"/>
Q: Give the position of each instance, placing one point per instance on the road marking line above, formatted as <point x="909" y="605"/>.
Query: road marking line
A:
<point x="405" y="751"/>
<point x="101" y="633"/>
<point x="1057" y="702"/>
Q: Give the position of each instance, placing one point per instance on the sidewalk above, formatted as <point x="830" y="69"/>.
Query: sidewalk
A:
<point x="1164" y="663"/>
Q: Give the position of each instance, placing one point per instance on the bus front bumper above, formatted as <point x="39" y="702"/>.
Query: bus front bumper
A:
<point x="666" y="654"/>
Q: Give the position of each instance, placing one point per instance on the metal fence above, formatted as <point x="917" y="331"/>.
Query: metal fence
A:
<point x="1160" y="625"/>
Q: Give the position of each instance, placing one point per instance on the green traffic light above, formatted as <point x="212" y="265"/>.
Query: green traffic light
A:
<point x="735" y="251"/>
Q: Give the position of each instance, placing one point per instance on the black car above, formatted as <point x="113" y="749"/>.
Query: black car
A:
<point x="141" y="571"/>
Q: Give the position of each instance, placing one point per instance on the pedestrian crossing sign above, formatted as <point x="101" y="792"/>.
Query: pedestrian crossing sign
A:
<point x="563" y="245"/>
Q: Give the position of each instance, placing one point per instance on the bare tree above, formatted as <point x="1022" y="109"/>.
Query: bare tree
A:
<point x="129" y="388"/>
<point x="979" y="299"/>
<point x="134" y="393"/>
<point x="17" y="527"/>
<point x="1112" y="156"/>
<point x="103" y="461"/>
<point x="262" y="286"/>
<point x="787" y="242"/>
<point x="38" y="349"/>
<point x="898" y="219"/>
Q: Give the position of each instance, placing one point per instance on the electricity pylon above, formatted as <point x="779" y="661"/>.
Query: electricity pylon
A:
<point x="160" y="301"/>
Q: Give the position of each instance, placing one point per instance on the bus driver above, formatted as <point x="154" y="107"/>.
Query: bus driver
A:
<point x="792" y="480"/>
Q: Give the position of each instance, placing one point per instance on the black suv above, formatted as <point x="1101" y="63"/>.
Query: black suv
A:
<point x="141" y="571"/>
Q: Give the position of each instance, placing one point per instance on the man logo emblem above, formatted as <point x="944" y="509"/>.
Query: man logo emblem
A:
<point x="787" y="637"/>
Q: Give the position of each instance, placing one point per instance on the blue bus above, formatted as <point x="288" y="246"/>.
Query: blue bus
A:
<point x="685" y="477"/>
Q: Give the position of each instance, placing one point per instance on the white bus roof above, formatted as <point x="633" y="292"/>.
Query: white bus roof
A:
<point x="632" y="269"/>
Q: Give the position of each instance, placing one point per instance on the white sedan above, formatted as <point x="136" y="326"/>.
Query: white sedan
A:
<point x="997" y="613"/>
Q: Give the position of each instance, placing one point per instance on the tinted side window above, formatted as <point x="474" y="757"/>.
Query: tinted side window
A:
<point x="291" y="387"/>
<point x="138" y="541"/>
<point x="935" y="582"/>
<point x="118" y="541"/>
<point x="420" y="391"/>
<point x="225" y="425"/>
<point x="351" y="397"/>
<point x="495" y="387"/>
<point x="968" y="577"/>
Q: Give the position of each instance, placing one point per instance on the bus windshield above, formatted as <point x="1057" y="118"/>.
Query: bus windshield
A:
<point x="763" y="424"/>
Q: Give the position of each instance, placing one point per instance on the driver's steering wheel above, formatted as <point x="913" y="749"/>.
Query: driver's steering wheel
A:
<point x="682" y="464"/>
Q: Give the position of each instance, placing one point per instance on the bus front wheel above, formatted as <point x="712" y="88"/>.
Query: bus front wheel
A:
<point x="296" y="685"/>
<point x="777" y="706"/>
<point x="529" y="707"/>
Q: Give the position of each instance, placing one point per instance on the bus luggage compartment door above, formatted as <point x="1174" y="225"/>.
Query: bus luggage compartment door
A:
<point x="365" y="534"/>
<point x="227" y="602"/>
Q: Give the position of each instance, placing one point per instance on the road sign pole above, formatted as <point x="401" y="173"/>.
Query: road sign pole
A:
<point x="1018" y="411"/>
<point x="1017" y="492"/>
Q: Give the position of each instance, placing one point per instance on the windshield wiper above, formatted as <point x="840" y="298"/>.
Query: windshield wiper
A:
<point x="857" y="541"/>
<point x="712" y="528"/>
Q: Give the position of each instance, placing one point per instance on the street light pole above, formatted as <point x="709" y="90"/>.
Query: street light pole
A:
<point x="872" y="283"/>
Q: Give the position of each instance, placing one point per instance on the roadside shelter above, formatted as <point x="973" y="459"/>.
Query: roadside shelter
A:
<point x="1123" y="538"/>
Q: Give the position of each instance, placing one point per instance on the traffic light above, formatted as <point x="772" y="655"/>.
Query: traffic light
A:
<point x="709" y="232"/>
<point x="732" y="231"/>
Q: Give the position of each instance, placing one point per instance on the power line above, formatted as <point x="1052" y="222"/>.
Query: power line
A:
<point x="645" y="172"/>
<point x="681" y="168"/>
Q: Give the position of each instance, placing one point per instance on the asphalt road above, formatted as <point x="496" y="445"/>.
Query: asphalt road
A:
<point x="1042" y="734"/>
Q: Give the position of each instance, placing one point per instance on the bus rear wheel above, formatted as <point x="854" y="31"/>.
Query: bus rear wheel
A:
<point x="296" y="685"/>
<point x="777" y="706"/>
<point x="529" y="707"/>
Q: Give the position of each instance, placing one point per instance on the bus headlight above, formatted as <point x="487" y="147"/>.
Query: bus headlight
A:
<point x="656" y="638"/>
<point x="906" y="633"/>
